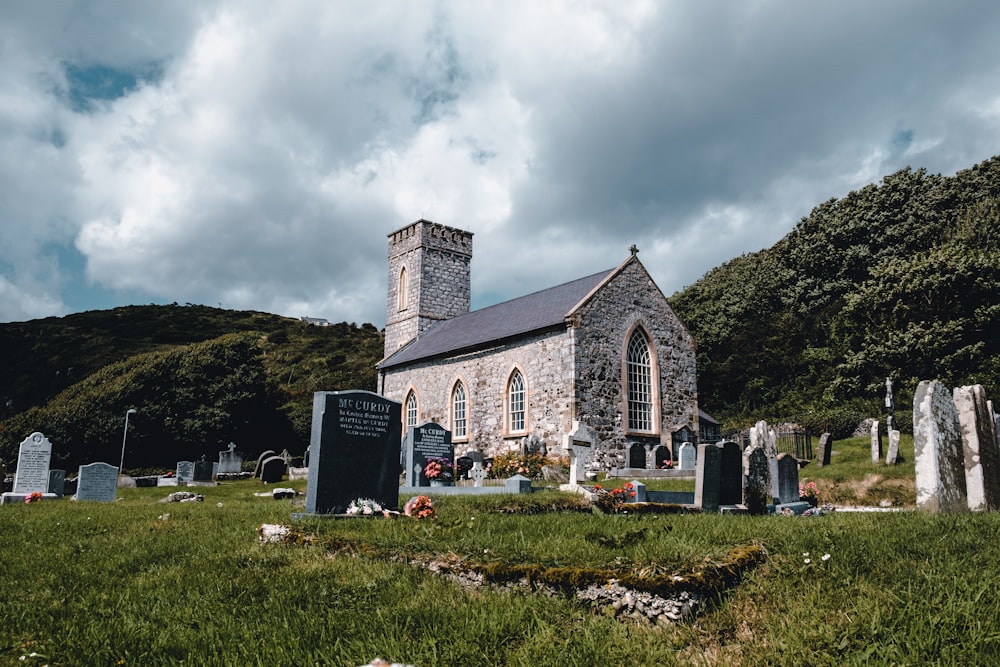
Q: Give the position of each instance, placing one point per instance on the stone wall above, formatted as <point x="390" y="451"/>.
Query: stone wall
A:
<point x="546" y="362"/>
<point x="631" y="299"/>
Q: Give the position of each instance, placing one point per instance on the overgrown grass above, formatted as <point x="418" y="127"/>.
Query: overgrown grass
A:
<point x="121" y="583"/>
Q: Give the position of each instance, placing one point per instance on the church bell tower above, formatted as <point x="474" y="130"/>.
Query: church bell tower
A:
<point x="429" y="279"/>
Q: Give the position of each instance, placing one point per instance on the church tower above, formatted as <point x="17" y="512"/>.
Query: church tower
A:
<point x="429" y="279"/>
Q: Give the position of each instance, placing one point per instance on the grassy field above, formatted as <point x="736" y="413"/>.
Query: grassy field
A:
<point x="139" y="582"/>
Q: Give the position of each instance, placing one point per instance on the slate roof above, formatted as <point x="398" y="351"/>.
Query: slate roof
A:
<point x="491" y="325"/>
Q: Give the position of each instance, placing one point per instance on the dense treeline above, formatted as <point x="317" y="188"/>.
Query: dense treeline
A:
<point x="899" y="279"/>
<point x="199" y="377"/>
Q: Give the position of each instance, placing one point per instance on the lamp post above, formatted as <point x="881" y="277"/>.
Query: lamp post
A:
<point x="121" y="466"/>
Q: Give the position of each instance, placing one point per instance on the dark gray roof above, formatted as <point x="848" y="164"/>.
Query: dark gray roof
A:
<point x="533" y="312"/>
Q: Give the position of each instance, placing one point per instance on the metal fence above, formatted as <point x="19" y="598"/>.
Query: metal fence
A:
<point x="792" y="441"/>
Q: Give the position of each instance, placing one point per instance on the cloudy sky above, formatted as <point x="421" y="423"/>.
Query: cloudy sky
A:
<point x="256" y="154"/>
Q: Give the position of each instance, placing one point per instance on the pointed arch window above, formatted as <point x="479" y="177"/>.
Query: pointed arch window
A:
<point x="459" y="422"/>
<point x="411" y="410"/>
<point x="403" y="293"/>
<point x="515" y="402"/>
<point x="639" y="377"/>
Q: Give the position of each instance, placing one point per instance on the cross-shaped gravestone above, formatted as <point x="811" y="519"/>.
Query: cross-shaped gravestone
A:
<point x="579" y="443"/>
<point x="478" y="473"/>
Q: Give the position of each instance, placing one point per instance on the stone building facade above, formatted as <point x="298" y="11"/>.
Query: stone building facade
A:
<point x="605" y="350"/>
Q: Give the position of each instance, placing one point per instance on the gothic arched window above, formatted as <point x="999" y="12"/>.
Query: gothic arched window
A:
<point x="515" y="402"/>
<point x="459" y="422"/>
<point x="411" y="410"/>
<point x="403" y="293"/>
<point x="639" y="377"/>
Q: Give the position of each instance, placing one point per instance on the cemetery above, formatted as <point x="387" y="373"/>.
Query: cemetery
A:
<point x="679" y="559"/>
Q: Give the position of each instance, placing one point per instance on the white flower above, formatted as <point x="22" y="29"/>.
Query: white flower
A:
<point x="807" y="561"/>
<point x="826" y="557"/>
<point x="806" y="554"/>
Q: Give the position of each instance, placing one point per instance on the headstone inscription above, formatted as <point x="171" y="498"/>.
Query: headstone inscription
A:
<point x="185" y="471"/>
<point x="788" y="479"/>
<point x="97" y="481"/>
<point x="272" y="470"/>
<point x="354" y="451"/>
<point x="937" y="445"/>
<point x="424" y="442"/>
<point x="33" y="456"/>
<point x="757" y="484"/>
<point x="230" y="461"/>
<point x="876" y="443"/>
<point x="687" y="455"/>
<point x="730" y="474"/>
<point x="57" y="482"/>
<point x="982" y="458"/>
<point x="825" y="447"/>
<point x="708" y="477"/>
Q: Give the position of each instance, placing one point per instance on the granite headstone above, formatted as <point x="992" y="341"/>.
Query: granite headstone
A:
<point x="97" y="481"/>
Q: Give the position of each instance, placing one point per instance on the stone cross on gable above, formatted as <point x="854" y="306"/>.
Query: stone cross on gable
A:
<point x="634" y="250"/>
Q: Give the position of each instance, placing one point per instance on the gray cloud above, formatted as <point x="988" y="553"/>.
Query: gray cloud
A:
<point x="256" y="155"/>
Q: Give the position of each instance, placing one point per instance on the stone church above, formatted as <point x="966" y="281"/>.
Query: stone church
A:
<point x="605" y="350"/>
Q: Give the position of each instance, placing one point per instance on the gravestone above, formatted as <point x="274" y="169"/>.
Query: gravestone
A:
<point x="937" y="444"/>
<point x="354" y="451"/>
<point x="687" y="456"/>
<point x="578" y="443"/>
<point x="477" y="474"/>
<point x="661" y="454"/>
<point x="266" y="454"/>
<point x="33" y="456"/>
<point x="825" y="448"/>
<point x="708" y="477"/>
<point x="463" y="465"/>
<point x="730" y="474"/>
<point x="230" y="461"/>
<point x="982" y="458"/>
<point x="876" y="443"/>
<point x="788" y="479"/>
<point x="639" y="489"/>
<point x="202" y="471"/>
<point x="422" y="443"/>
<point x="757" y="482"/>
<point x="57" y="482"/>
<point x="636" y="455"/>
<point x="97" y="481"/>
<point x="185" y="471"/>
<point x="761" y="436"/>
<point x="892" y="451"/>
<point x="273" y="469"/>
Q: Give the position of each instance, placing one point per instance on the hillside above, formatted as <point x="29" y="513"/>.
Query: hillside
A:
<point x="199" y="377"/>
<point x="899" y="279"/>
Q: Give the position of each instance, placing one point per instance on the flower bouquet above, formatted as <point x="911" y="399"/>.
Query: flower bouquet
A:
<point x="439" y="469"/>
<point x="364" y="507"/>
<point x="809" y="493"/>
<point x="419" y="507"/>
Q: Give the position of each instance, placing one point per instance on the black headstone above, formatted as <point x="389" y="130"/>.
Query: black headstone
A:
<point x="354" y="451"/>
<point x="273" y="469"/>
<point x="423" y="442"/>
<point x="636" y="456"/>
<point x="202" y="471"/>
<point x="730" y="474"/>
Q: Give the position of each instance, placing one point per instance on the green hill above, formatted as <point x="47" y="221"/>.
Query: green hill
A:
<point x="199" y="377"/>
<point x="899" y="279"/>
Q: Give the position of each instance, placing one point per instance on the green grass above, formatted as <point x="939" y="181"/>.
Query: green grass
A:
<point x="119" y="583"/>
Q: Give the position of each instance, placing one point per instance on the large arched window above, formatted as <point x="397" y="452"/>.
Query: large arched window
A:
<point x="411" y="410"/>
<point x="403" y="291"/>
<point x="459" y="422"/>
<point x="639" y="377"/>
<point x="515" y="402"/>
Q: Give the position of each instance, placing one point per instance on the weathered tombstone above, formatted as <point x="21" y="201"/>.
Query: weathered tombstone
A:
<point x="639" y="489"/>
<point x="687" y="456"/>
<point x="97" y="481"/>
<point x="230" y="461"/>
<point x="185" y="471"/>
<point x="202" y="471"/>
<point x="937" y="444"/>
<point x="708" y="477"/>
<point x="578" y="443"/>
<point x="982" y="458"/>
<point x="876" y="443"/>
<point x="272" y="470"/>
<point x="788" y="479"/>
<point x="422" y="443"/>
<point x="892" y="451"/>
<point x="57" y="482"/>
<point x="354" y="451"/>
<point x="757" y="484"/>
<point x="477" y="474"/>
<point x="762" y="437"/>
<point x="33" y="456"/>
<point x="264" y="455"/>
<point x="730" y="474"/>
<point x="517" y="484"/>
<point x="825" y="448"/>
<point x="636" y="455"/>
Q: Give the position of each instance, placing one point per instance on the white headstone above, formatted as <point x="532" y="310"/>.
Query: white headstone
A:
<point x="937" y="445"/>
<point x="876" y="444"/>
<point x="578" y="443"/>
<point x="687" y="455"/>
<point x="33" y="458"/>
<point x="477" y="474"/>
